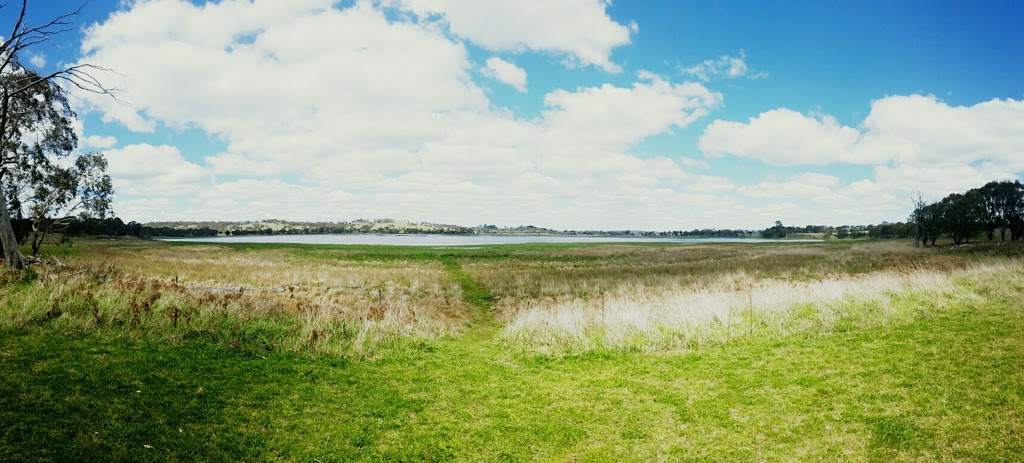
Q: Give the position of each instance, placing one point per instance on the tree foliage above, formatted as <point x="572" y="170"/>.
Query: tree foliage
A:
<point x="997" y="206"/>
<point x="38" y="169"/>
<point x="82" y="190"/>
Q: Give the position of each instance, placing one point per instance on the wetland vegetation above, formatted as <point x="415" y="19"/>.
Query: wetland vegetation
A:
<point x="141" y="350"/>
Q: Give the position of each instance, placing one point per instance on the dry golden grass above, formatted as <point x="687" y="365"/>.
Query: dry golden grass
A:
<point x="589" y="271"/>
<point x="323" y="304"/>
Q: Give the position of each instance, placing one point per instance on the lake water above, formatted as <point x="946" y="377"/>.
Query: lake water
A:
<point x="461" y="240"/>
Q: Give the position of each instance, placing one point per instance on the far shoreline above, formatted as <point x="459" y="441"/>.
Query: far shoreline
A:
<point x="427" y="239"/>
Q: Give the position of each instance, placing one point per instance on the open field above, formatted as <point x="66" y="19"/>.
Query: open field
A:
<point x="713" y="352"/>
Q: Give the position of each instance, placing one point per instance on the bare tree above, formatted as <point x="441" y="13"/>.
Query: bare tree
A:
<point x="19" y="115"/>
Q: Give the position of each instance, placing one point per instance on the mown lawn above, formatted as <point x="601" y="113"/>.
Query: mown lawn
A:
<point x="946" y="387"/>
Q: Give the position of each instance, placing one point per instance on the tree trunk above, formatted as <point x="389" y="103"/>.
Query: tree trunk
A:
<point x="37" y="241"/>
<point x="12" y="255"/>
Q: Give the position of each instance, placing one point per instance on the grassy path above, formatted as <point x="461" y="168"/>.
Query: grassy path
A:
<point x="472" y="292"/>
<point x="484" y="328"/>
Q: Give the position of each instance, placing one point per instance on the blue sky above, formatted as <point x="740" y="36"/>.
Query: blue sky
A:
<point x="573" y="114"/>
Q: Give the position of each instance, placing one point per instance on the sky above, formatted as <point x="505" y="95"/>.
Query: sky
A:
<point x="568" y="114"/>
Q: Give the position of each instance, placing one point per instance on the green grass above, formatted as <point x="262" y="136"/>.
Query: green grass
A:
<point x="941" y="388"/>
<point x="940" y="384"/>
<point x="472" y="292"/>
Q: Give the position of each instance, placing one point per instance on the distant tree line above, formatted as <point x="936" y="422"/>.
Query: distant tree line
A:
<point x="996" y="208"/>
<point x="705" y="233"/>
<point x="884" y="230"/>
<point x="780" y="231"/>
<point x="346" y="229"/>
<point x="110" y="227"/>
<point x="284" y="227"/>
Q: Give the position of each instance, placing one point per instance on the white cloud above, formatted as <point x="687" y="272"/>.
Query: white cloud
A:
<point x="710" y="184"/>
<point x="615" y="116"/>
<point x="725" y="67"/>
<point x="151" y="209"/>
<point x="900" y="129"/>
<point x="924" y="129"/>
<point x="506" y="72"/>
<point x="695" y="163"/>
<point x="800" y="186"/>
<point x="783" y="137"/>
<point x="143" y="169"/>
<point x="98" y="141"/>
<point x="236" y="164"/>
<point x="332" y="113"/>
<point x="579" y="29"/>
<point x="914" y="143"/>
<point x="274" y="64"/>
<point x="37" y="59"/>
<point x="357" y="114"/>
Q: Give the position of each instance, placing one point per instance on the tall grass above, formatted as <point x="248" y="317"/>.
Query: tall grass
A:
<point x="734" y="305"/>
<point x="549" y="299"/>
<point x="598" y="270"/>
<point x="355" y="316"/>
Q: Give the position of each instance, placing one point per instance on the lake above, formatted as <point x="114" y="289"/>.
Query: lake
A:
<point x="461" y="240"/>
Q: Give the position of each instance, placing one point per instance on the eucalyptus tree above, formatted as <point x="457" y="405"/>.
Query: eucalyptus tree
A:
<point x="963" y="215"/>
<point x="1004" y="201"/>
<point x="1011" y="194"/>
<point x="36" y="131"/>
<point x="62" y="194"/>
<point x="931" y="221"/>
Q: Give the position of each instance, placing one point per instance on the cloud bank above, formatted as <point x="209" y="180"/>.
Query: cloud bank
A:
<point x="374" y="110"/>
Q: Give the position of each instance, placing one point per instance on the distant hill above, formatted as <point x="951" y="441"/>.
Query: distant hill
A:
<point x="285" y="227"/>
<point x="392" y="226"/>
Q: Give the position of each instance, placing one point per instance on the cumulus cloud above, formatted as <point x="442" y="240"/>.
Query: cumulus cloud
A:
<point x="617" y="116"/>
<point x="331" y="112"/>
<point x="98" y="141"/>
<point x="371" y="116"/>
<point x="914" y="144"/>
<point x="899" y="129"/>
<point x="578" y="29"/>
<point x="783" y="137"/>
<point x="143" y="169"/>
<point x="924" y="129"/>
<point x="506" y="72"/>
